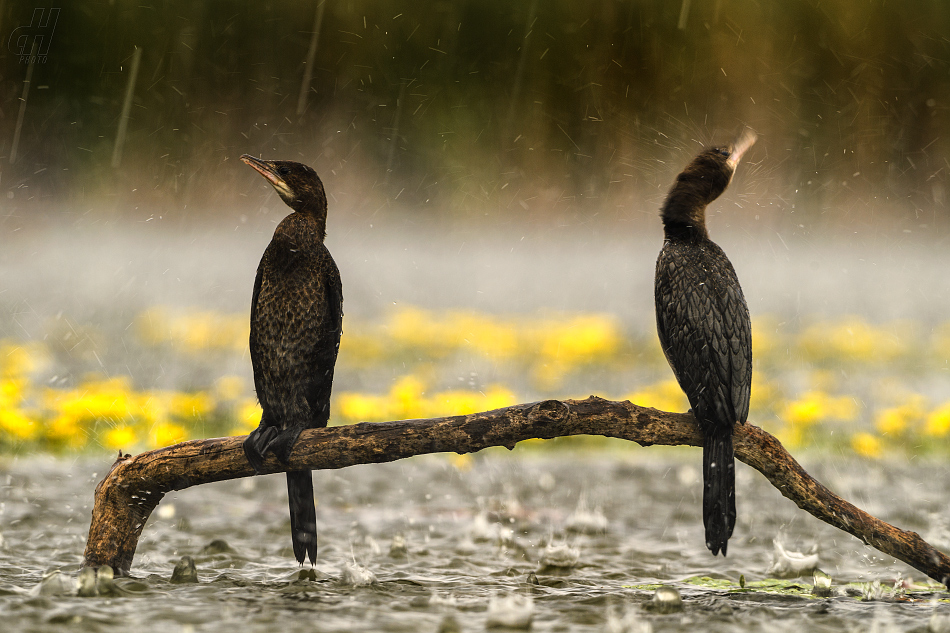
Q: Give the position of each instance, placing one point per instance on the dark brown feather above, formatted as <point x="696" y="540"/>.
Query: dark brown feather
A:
<point x="705" y="331"/>
<point x="296" y="324"/>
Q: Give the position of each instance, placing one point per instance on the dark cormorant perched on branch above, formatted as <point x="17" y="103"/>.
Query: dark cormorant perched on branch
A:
<point x="296" y="322"/>
<point x="703" y="322"/>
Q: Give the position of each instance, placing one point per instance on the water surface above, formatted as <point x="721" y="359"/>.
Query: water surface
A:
<point x="445" y="536"/>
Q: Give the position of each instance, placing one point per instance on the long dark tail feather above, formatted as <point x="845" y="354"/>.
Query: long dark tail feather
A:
<point x="719" y="489"/>
<point x="303" y="515"/>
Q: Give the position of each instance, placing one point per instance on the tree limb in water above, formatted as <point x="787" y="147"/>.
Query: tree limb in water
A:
<point x="135" y="485"/>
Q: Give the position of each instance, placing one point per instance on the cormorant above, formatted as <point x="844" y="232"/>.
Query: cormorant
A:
<point x="296" y="323"/>
<point x="704" y="327"/>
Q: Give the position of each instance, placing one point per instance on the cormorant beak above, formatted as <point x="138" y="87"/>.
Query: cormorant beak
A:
<point x="742" y="144"/>
<point x="267" y="170"/>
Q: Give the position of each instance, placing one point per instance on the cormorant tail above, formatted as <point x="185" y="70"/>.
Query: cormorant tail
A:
<point x="719" y="489"/>
<point x="303" y="515"/>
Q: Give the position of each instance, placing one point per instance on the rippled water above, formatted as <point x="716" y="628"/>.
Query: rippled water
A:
<point x="449" y="541"/>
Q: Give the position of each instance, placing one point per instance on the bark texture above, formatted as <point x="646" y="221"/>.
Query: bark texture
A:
<point x="135" y="485"/>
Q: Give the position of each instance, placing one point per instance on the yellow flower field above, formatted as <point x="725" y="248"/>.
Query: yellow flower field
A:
<point x="869" y="389"/>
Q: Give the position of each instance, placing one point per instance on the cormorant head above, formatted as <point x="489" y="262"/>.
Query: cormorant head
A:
<point x="710" y="173"/>
<point x="702" y="181"/>
<point x="297" y="184"/>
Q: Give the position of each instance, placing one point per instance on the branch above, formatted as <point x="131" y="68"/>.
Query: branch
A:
<point x="135" y="485"/>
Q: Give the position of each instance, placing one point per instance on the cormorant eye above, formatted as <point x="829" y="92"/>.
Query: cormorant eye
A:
<point x="724" y="152"/>
<point x="283" y="171"/>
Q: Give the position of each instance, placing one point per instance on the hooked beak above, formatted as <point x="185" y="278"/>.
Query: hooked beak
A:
<point x="742" y="144"/>
<point x="266" y="169"/>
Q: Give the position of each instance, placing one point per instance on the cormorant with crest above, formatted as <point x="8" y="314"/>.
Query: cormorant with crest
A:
<point x="704" y="327"/>
<point x="296" y="323"/>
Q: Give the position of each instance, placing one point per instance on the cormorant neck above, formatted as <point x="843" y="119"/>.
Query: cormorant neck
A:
<point x="684" y="214"/>
<point x="317" y="214"/>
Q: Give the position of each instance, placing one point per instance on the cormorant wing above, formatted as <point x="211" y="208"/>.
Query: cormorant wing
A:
<point x="327" y="347"/>
<point x="703" y="325"/>
<point x="738" y="330"/>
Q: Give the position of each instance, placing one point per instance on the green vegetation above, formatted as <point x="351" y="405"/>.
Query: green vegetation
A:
<point x="482" y="106"/>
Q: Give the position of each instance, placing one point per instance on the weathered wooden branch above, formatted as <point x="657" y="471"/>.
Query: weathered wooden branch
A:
<point x="135" y="485"/>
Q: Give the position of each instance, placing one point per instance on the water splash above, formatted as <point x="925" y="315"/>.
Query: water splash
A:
<point x="512" y="611"/>
<point x="789" y="564"/>
<point x="355" y="575"/>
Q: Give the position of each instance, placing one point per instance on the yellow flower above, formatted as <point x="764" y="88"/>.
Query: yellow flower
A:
<point x="405" y="398"/>
<point x="492" y="337"/>
<point x="359" y="407"/>
<point x="791" y="436"/>
<point x="665" y="395"/>
<point x="191" y="405"/>
<point x="120" y="437"/>
<point x="580" y="339"/>
<point x="891" y="421"/>
<point x="11" y="392"/>
<point x="938" y="422"/>
<point x="842" y="408"/>
<point x="805" y="411"/>
<point x="152" y="407"/>
<point x="110" y="399"/>
<point x="896" y="420"/>
<point x="815" y="406"/>
<point x="17" y="425"/>
<point x="248" y="417"/>
<point x="497" y="397"/>
<point x="856" y="340"/>
<point x="65" y="429"/>
<point x="166" y="434"/>
<point x="866" y="445"/>
<point x="19" y="359"/>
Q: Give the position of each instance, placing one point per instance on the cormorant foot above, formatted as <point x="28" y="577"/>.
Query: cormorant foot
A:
<point x="256" y="444"/>
<point x="282" y="445"/>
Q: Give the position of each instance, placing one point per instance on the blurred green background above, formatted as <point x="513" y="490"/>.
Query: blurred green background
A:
<point x="464" y="108"/>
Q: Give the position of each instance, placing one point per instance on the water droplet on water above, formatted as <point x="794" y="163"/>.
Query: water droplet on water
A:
<point x="512" y="611"/>
<point x="667" y="599"/>
<point x="398" y="548"/>
<point x="561" y="555"/>
<point x="788" y="564"/>
<point x="356" y="575"/>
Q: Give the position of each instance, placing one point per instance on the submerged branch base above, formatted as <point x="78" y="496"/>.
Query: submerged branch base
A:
<point x="135" y="485"/>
